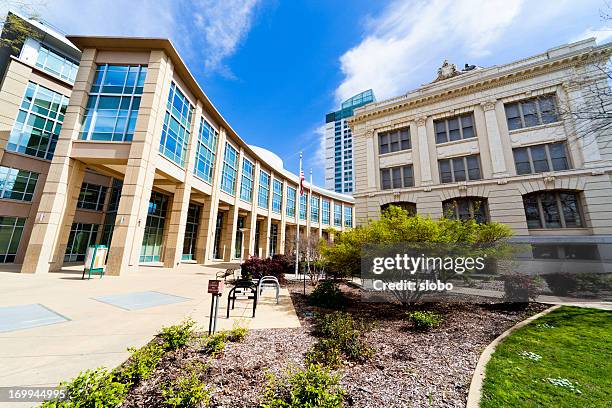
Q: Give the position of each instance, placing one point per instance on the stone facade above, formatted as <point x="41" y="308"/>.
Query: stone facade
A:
<point x="571" y="75"/>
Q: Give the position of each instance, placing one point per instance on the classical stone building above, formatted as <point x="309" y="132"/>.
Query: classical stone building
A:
<point x="525" y="143"/>
<point x="112" y="141"/>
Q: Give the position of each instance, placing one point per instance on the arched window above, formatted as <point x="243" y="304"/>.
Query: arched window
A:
<point x="404" y="205"/>
<point x="466" y="208"/>
<point x="553" y="209"/>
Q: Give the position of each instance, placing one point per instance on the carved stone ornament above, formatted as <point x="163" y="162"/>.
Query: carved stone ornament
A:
<point x="488" y="105"/>
<point x="420" y="121"/>
<point x="447" y="70"/>
<point x="369" y="132"/>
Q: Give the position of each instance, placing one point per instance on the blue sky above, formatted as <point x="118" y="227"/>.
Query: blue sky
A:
<point x="275" y="68"/>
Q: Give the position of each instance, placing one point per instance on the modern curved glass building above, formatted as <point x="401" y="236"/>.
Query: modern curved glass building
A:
<point x="112" y="141"/>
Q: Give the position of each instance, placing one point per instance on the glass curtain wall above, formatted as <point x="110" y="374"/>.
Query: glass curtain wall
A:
<point x="191" y="232"/>
<point x="11" y="229"/>
<point x="152" y="242"/>
<point x="81" y="237"/>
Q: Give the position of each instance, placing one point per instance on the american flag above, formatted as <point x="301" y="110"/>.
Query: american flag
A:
<point x="301" y="182"/>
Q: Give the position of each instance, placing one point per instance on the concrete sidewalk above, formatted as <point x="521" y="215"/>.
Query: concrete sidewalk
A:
<point x="97" y="333"/>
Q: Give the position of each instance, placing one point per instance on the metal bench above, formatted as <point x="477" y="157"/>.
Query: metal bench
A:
<point x="243" y="289"/>
<point x="269" y="282"/>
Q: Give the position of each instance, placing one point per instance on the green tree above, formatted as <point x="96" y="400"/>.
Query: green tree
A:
<point x="396" y="226"/>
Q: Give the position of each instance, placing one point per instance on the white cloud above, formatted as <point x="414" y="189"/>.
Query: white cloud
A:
<point x="320" y="153"/>
<point x="224" y="24"/>
<point x="203" y="30"/>
<point x="601" y="35"/>
<point x="409" y="34"/>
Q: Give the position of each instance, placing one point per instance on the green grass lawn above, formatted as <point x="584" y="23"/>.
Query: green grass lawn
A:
<point x="572" y="346"/>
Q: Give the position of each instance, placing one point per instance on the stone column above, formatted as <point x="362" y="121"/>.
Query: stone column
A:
<point x="64" y="172"/>
<point x="140" y="169"/>
<point x="229" y="229"/>
<point x="283" y="223"/>
<point x="251" y="221"/>
<point x="207" y="230"/>
<point x="423" y="143"/>
<point x="75" y="181"/>
<point x="585" y="128"/>
<point x="180" y="203"/>
<point x="371" y="162"/>
<point x="494" y="139"/>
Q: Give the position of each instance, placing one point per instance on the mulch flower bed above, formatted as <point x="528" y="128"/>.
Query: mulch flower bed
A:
<point x="408" y="369"/>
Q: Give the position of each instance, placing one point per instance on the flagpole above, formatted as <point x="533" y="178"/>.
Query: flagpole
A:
<point x="297" y="222"/>
<point x="309" y="232"/>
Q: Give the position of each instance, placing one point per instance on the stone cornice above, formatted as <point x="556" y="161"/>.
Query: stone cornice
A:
<point x="484" y="83"/>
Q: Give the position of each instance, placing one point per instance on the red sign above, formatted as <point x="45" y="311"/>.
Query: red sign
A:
<point x="215" y="287"/>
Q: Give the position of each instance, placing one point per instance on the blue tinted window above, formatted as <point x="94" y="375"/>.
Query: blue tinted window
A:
<point x="114" y="101"/>
<point x="325" y="212"/>
<point x="303" y="205"/>
<point x="55" y="63"/>
<point x="246" y="185"/>
<point x="177" y="126"/>
<point x="263" y="195"/>
<point x="205" y="155"/>
<point x="38" y="123"/>
<point x="277" y="196"/>
<point x="230" y="169"/>
<point x="291" y="193"/>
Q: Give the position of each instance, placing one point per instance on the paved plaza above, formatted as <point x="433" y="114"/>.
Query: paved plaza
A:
<point x="55" y="325"/>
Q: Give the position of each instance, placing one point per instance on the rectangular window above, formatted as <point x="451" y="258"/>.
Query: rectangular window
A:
<point x="263" y="194"/>
<point x="531" y="112"/>
<point x="540" y="158"/>
<point x="51" y="61"/>
<point x="92" y="197"/>
<point x="80" y="238"/>
<point x="205" y="151"/>
<point x="17" y="184"/>
<point x="291" y="194"/>
<point x="273" y="239"/>
<point x="455" y="128"/>
<point x="466" y="168"/>
<point x="303" y="206"/>
<point x="277" y="196"/>
<point x="394" y="140"/>
<point x="191" y="232"/>
<point x="246" y="185"/>
<point x="230" y="169"/>
<point x="153" y="239"/>
<point x="348" y="217"/>
<point x="396" y="177"/>
<point x="314" y="208"/>
<point x="552" y="209"/>
<point x="114" y="100"/>
<point x="11" y="229"/>
<point x="337" y="215"/>
<point x="38" y="122"/>
<point x="177" y="126"/>
<point x="325" y="212"/>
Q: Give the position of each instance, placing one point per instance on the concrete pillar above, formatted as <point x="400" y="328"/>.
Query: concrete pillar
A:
<point x="74" y="189"/>
<point x="423" y="143"/>
<point x="283" y="224"/>
<point x="203" y="237"/>
<point x="180" y="203"/>
<point x="228" y="239"/>
<point x="64" y="173"/>
<point x="496" y="148"/>
<point x="210" y="211"/>
<point x="140" y="169"/>
<point x="585" y="128"/>
<point x="251" y="221"/>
